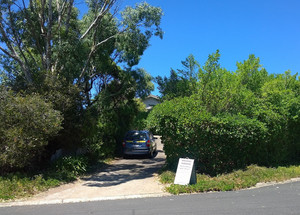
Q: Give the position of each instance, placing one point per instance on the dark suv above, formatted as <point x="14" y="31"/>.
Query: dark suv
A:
<point x="139" y="143"/>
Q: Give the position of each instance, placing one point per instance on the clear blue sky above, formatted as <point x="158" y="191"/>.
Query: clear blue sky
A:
<point x="270" y="29"/>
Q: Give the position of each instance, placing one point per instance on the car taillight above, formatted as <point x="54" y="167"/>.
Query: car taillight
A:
<point x="148" y="143"/>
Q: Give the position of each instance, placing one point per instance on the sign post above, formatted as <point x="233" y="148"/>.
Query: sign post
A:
<point x="185" y="173"/>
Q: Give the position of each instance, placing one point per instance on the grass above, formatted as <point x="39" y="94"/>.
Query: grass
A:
<point x="22" y="185"/>
<point x="19" y="185"/>
<point x="236" y="180"/>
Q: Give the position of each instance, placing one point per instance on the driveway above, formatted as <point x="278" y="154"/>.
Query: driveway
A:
<point x="123" y="178"/>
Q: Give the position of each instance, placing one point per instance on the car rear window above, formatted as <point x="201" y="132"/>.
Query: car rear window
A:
<point x="136" y="136"/>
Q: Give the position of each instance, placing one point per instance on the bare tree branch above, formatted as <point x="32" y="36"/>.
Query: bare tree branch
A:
<point x="14" y="54"/>
<point x="107" y="5"/>
<point x="9" y="54"/>
<point x="33" y="32"/>
<point x="21" y="63"/>
<point x="48" y="36"/>
<point x="18" y="42"/>
<point x="69" y="16"/>
<point x="93" y="49"/>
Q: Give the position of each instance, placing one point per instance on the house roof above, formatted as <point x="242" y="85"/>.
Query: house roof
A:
<point x="152" y="96"/>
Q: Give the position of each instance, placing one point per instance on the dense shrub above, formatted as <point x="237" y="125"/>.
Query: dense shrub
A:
<point x="218" y="143"/>
<point x="106" y="124"/>
<point x="70" y="167"/>
<point x="139" y="120"/>
<point x="234" y="120"/>
<point x="26" y="124"/>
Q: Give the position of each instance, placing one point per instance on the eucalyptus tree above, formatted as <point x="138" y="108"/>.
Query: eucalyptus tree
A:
<point x="74" y="60"/>
<point x="40" y="38"/>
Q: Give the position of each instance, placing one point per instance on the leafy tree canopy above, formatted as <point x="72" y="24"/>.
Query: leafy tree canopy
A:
<point x="83" y="66"/>
<point x="46" y="38"/>
<point x="231" y="118"/>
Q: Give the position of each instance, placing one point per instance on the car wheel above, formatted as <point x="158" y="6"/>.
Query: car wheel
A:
<point x="151" y="154"/>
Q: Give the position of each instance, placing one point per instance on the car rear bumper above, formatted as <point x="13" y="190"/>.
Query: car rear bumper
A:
<point x="136" y="151"/>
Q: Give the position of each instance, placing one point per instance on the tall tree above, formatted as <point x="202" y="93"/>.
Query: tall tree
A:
<point x="74" y="62"/>
<point x="47" y="38"/>
<point x="251" y="73"/>
<point x="181" y="82"/>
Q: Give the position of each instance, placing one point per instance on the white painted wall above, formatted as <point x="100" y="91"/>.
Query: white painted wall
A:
<point x="150" y="102"/>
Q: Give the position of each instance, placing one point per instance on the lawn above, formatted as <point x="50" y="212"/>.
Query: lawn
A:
<point x="65" y="170"/>
<point x="236" y="180"/>
<point x="19" y="185"/>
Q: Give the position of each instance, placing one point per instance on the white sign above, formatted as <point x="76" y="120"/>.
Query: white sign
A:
<point x="185" y="173"/>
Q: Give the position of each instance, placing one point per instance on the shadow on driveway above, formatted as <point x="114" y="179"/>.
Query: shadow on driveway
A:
<point x="125" y="170"/>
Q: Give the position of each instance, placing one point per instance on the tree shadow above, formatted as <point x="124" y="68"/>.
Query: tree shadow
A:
<point x="120" y="173"/>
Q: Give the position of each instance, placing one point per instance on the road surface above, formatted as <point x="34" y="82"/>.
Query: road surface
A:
<point x="275" y="199"/>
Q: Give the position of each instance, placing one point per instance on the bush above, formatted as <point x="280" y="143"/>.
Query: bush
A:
<point x="70" y="167"/>
<point x="268" y="135"/>
<point x="234" y="119"/>
<point x="139" y="120"/>
<point x="106" y="123"/>
<point x="218" y="143"/>
<point x="26" y="124"/>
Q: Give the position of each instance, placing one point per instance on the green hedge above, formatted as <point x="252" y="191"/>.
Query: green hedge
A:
<point x="218" y="143"/>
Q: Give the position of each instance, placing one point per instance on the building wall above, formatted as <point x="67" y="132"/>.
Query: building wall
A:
<point x="150" y="102"/>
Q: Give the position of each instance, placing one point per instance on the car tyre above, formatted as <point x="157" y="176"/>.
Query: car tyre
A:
<point x="151" y="154"/>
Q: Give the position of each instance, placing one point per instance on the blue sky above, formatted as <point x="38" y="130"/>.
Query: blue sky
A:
<point x="270" y="29"/>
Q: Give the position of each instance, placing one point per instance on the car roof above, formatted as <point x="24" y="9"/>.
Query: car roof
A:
<point x="138" y="131"/>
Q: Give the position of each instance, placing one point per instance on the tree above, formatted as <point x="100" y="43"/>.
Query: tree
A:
<point x="181" y="83"/>
<point x="46" y="38"/>
<point x="143" y="82"/>
<point x="251" y="74"/>
<point x="234" y="119"/>
<point x="169" y="87"/>
<point x="190" y="68"/>
<point x="75" y="63"/>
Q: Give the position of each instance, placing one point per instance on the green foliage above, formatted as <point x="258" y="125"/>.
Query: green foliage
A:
<point x="143" y="82"/>
<point x="218" y="143"/>
<point x="134" y="41"/>
<point x="139" y="121"/>
<point x="181" y="83"/>
<point x="110" y="118"/>
<point x="167" y="177"/>
<point x="26" y="125"/>
<point x="71" y="62"/>
<point x="251" y="74"/>
<point x="234" y="119"/>
<point x="236" y="180"/>
<point x="19" y="185"/>
<point x="70" y="167"/>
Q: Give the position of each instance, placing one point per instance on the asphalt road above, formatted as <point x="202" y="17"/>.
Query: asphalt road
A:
<point x="275" y="199"/>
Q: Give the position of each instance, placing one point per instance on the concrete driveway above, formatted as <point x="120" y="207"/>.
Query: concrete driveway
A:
<point x="123" y="178"/>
